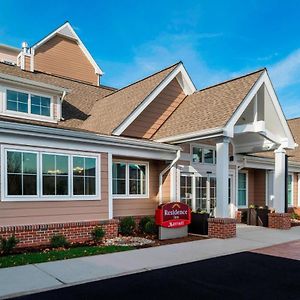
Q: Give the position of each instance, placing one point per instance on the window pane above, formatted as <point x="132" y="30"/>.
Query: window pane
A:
<point x="36" y="110"/>
<point x="48" y="164"/>
<point x="241" y="198"/>
<point x="35" y="100"/>
<point x="14" y="162"/>
<point x="90" y="186"/>
<point x="45" y="101"/>
<point x="48" y="185"/>
<point x="14" y="185"/>
<point x="29" y="185"/>
<point x="90" y="166"/>
<point x="119" y="186"/>
<point x="29" y="163"/>
<point x="197" y="154"/>
<point x="11" y="105"/>
<point x="62" y="164"/>
<point x="62" y="185"/>
<point x="78" y="165"/>
<point x="23" y="98"/>
<point x="45" y="111"/>
<point x="208" y="156"/>
<point x="22" y="107"/>
<point x="119" y="170"/>
<point x="78" y="185"/>
<point x="290" y="189"/>
<point x="242" y="180"/>
<point x="12" y="95"/>
<point x="40" y="105"/>
<point x="134" y="187"/>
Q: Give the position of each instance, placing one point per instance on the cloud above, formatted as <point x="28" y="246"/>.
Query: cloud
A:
<point x="162" y="51"/>
<point x="286" y="72"/>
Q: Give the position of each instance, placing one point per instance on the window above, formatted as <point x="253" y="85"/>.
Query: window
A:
<point x="17" y="101"/>
<point x="84" y="175"/>
<point x="48" y="176"/>
<point x="129" y="179"/>
<point x="290" y="190"/>
<point x="40" y="105"/>
<point x="242" y="189"/>
<point x="21" y="173"/>
<point x="55" y="174"/>
<point x="204" y="155"/>
<point x="186" y="189"/>
<point x="27" y="103"/>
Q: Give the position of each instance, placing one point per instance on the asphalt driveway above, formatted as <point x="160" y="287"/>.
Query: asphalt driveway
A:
<point x="244" y="275"/>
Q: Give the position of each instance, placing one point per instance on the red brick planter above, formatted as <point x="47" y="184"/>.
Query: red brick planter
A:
<point x="222" y="228"/>
<point x="75" y="232"/>
<point x="279" y="220"/>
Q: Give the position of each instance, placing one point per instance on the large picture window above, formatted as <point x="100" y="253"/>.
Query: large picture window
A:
<point x="203" y="155"/>
<point x="129" y="179"/>
<point x="37" y="175"/>
<point x="27" y="103"/>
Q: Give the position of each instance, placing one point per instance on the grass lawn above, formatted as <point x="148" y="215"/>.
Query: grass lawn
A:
<point x="38" y="257"/>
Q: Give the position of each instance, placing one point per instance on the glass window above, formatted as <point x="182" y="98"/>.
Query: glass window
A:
<point x="84" y="176"/>
<point x="208" y="156"/>
<point x="40" y="105"/>
<point x="17" y="101"/>
<point x="55" y="170"/>
<point x="242" y="189"/>
<point x="186" y="190"/>
<point x="129" y="179"/>
<point x="21" y="173"/>
<point x="290" y="190"/>
<point x="197" y="154"/>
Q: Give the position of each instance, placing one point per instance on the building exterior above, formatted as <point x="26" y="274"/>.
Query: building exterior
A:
<point x="75" y="153"/>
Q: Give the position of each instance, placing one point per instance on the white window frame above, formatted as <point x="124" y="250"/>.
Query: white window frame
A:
<point x="127" y="195"/>
<point x="292" y="190"/>
<point x="203" y="146"/>
<point x="247" y="191"/>
<point x="40" y="196"/>
<point x="28" y="115"/>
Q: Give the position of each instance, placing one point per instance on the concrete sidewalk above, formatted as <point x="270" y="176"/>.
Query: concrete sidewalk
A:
<point x="32" y="278"/>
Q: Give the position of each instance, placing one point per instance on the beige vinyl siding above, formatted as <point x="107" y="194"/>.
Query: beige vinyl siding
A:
<point x="8" y="55"/>
<point x="257" y="187"/>
<point x="27" y="62"/>
<point x="150" y="120"/>
<point x="40" y="212"/>
<point x="63" y="56"/>
<point x="145" y="206"/>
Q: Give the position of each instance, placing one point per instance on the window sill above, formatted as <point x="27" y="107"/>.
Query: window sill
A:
<point x="28" y="117"/>
<point x="126" y="197"/>
<point x="49" y="199"/>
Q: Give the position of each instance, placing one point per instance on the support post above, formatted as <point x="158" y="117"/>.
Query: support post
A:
<point x="279" y="181"/>
<point x="222" y="170"/>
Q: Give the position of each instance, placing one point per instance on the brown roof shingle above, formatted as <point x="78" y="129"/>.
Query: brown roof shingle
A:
<point x="109" y="112"/>
<point x="211" y="107"/>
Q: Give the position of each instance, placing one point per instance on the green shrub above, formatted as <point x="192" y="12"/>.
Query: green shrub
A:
<point x="151" y="227"/>
<point x="97" y="234"/>
<point x="58" y="241"/>
<point x="143" y="223"/>
<point x="7" y="245"/>
<point x="295" y="216"/>
<point x="127" y="225"/>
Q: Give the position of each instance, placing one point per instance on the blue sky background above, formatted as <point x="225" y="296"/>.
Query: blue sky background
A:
<point x="216" y="40"/>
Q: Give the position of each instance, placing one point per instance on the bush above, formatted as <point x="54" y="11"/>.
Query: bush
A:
<point x="127" y="225"/>
<point x="97" y="234"/>
<point x="7" y="245"/>
<point x="295" y="216"/>
<point x="143" y="223"/>
<point x="58" y="241"/>
<point x="151" y="227"/>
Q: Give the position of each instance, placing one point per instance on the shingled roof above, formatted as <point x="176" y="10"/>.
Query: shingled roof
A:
<point x="109" y="112"/>
<point x="78" y="101"/>
<point x="208" y="108"/>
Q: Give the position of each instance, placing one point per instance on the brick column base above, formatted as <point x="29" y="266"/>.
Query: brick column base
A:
<point x="222" y="228"/>
<point x="238" y="216"/>
<point x="279" y="220"/>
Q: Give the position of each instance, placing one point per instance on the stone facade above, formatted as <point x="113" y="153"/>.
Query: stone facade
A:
<point x="279" y="220"/>
<point x="222" y="228"/>
<point x="40" y="234"/>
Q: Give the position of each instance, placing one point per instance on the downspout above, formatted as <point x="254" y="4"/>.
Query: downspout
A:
<point x="64" y="93"/>
<point x="163" y="172"/>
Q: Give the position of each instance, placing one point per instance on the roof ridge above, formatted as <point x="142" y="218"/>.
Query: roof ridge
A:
<point x="140" y="80"/>
<point x="232" y="79"/>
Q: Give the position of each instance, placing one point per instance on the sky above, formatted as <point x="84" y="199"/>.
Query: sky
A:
<point x="216" y="40"/>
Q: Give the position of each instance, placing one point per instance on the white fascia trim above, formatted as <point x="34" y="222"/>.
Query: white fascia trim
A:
<point x="263" y="79"/>
<point x="26" y="82"/>
<point x="188" y="137"/>
<point x="80" y="43"/>
<point x="140" y="108"/>
<point x="65" y="134"/>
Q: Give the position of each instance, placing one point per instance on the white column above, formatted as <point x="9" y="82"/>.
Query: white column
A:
<point x="279" y="180"/>
<point x="222" y="171"/>
<point x="110" y="191"/>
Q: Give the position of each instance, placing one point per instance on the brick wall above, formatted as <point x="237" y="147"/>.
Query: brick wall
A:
<point x="222" y="228"/>
<point x="280" y="220"/>
<point x="75" y="232"/>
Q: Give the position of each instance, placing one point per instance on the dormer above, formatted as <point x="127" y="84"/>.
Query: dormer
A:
<point x="27" y="99"/>
<point x="61" y="53"/>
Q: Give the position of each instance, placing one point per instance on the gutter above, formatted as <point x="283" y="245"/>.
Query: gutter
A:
<point x="163" y="172"/>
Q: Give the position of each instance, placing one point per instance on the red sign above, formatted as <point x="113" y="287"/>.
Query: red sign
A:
<point x="173" y="215"/>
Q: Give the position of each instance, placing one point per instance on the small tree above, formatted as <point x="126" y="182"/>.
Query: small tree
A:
<point x="97" y="234"/>
<point x="7" y="245"/>
<point x="127" y="225"/>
